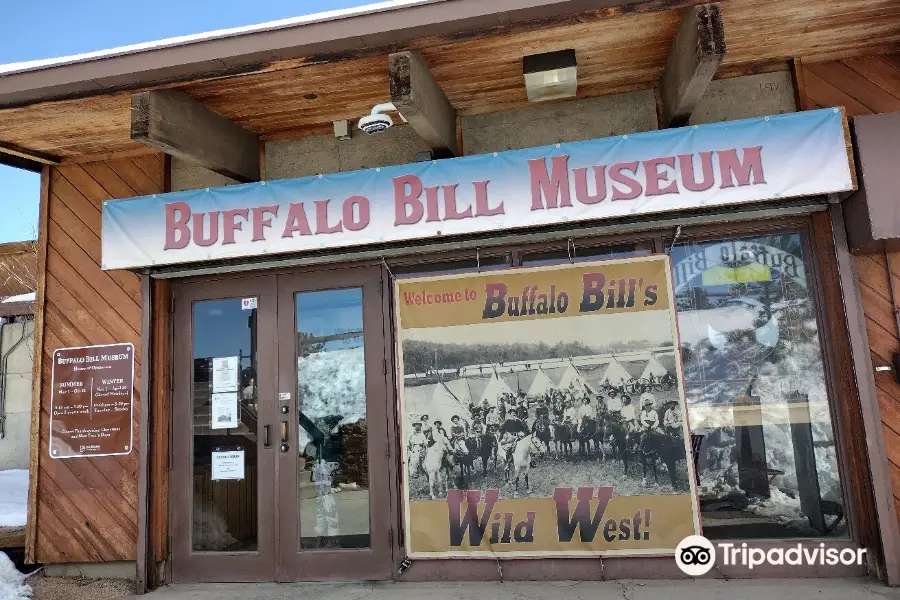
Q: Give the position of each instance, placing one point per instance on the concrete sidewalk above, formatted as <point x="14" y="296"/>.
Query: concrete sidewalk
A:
<point x="701" y="589"/>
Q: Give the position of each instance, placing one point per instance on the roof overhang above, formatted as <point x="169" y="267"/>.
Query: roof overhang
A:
<point x="317" y="38"/>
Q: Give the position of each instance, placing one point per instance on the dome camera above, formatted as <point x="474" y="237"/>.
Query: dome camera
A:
<point x="372" y="124"/>
<point x="377" y="121"/>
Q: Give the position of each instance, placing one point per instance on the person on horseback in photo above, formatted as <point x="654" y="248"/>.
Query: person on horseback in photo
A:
<point x="476" y="432"/>
<point x="586" y="414"/>
<point x="672" y="424"/>
<point x="542" y="410"/>
<point x="648" y="396"/>
<point x="492" y="418"/>
<point x="627" y="415"/>
<point x="474" y="410"/>
<point x="416" y="449"/>
<point x="586" y="426"/>
<point x="439" y="430"/>
<point x="542" y="427"/>
<point x="648" y="420"/>
<point x="458" y="428"/>
<point x="511" y="431"/>
<point x="440" y="435"/>
<point x="570" y="413"/>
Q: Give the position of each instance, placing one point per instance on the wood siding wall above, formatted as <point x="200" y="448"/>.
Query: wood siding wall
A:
<point x="868" y="85"/>
<point x="86" y="508"/>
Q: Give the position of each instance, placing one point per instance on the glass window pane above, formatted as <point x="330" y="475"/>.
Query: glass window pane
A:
<point x="756" y="392"/>
<point x="553" y="257"/>
<point x="333" y="434"/>
<point x="484" y="263"/>
<point x="224" y="516"/>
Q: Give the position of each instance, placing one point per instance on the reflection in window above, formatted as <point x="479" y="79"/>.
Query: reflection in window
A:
<point x="756" y="389"/>
<point x="579" y="254"/>
<point x="225" y="507"/>
<point x="333" y="433"/>
<point x="472" y="265"/>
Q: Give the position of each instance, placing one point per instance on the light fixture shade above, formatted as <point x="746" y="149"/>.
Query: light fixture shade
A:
<point x="551" y="75"/>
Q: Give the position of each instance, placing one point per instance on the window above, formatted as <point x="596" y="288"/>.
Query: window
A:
<point x="481" y="263"/>
<point x="756" y="391"/>
<point x="579" y="254"/>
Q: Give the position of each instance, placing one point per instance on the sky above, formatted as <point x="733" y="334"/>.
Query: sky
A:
<point x="63" y="27"/>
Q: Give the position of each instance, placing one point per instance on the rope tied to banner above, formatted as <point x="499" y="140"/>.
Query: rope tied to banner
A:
<point x="391" y="276"/>
<point x="675" y="239"/>
<point x="570" y="249"/>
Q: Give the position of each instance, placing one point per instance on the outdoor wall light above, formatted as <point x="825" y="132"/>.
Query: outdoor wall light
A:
<point x="551" y="75"/>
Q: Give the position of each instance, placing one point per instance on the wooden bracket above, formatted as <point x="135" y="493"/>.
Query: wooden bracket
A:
<point x="420" y="99"/>
<point x="696" y="53"/>
<point x="175" y="124"/>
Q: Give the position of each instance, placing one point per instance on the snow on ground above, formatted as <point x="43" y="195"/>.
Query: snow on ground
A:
<point x="13" y="500"/>
<point x="12" y="583"/>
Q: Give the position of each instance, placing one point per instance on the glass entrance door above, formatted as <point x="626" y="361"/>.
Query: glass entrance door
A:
<point x="222" y="430"/>
<point x="333" y="473"/>
<point x="281" y="469"/>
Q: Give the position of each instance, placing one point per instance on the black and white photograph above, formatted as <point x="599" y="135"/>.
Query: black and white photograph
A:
<point x="584" y="404"/>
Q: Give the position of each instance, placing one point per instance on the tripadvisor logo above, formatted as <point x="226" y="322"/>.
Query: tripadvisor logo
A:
<point x="695" y="555"/>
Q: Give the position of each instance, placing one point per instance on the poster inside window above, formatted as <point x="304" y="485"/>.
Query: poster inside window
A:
<point x="756" y="389"/>
<point x="543" y="413"/>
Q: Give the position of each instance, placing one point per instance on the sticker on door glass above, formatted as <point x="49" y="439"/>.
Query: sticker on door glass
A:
<point x="228" y="465"/>
<point x="224" y="413"/>
<point x="225" y="374"/>
<point x="249" y="303"/>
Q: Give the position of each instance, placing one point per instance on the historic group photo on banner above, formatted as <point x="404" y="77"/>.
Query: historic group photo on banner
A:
<point x="543" y="412"/>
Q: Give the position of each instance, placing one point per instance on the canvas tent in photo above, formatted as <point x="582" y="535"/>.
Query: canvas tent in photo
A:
<point x="615" y="375"/>
<point x="541" y="385"/>
<point x="653" y="369"/>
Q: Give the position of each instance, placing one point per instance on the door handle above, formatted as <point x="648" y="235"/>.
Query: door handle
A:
<point x="266" y="441"/>
<point x="284" y="436"/>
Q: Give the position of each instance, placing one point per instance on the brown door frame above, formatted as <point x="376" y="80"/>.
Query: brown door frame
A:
<point x="375" y="562"/>
<point x="188" y="566"/>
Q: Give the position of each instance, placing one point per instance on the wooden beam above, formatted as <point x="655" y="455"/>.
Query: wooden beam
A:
<point x="34" y="464"/>
<point x="420" y="99"/>
<point x="696" y="53"/>
<point x="175" y="124"/>
<point x="31" y="155"/>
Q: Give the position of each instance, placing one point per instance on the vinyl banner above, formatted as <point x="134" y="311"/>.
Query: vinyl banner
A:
<point x="543" y="412"/>
<point x="721" y="164"/>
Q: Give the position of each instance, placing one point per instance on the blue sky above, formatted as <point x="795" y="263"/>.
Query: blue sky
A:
<point x="62" y="27"/>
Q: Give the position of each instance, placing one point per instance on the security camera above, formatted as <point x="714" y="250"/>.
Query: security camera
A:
<point x="376" y="121"/>
<point x="373" y="124"/>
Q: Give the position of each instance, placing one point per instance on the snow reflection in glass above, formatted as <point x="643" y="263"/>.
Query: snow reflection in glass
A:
<point x="331" y="396"/>
<point x="756" y="391"/>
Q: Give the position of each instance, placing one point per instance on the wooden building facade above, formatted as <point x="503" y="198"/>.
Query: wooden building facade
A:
<point x="109" y="128"/>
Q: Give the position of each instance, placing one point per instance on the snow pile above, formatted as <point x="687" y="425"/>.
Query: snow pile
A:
<point x="779" y="505"/>
<point x="333" y="383"/>
<point x="13" y="499"/>
<point x="12" y="583"/>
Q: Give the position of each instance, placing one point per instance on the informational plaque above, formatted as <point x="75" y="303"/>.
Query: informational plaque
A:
<point x="92" y="401"/>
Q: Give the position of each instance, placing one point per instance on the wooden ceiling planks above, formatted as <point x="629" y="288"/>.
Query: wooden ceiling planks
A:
<point x="618" y="49"/>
